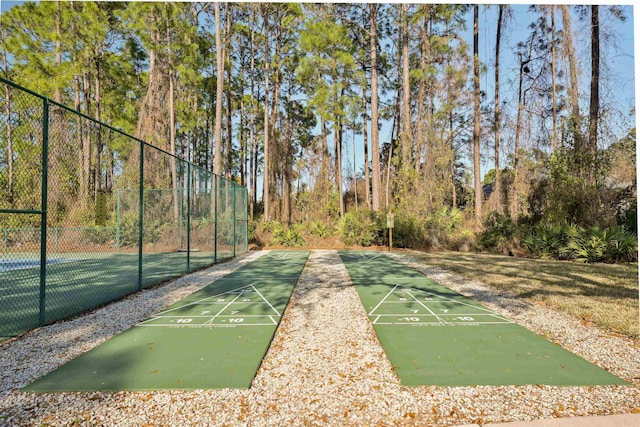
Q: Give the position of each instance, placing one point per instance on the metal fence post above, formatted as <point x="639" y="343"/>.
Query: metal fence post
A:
<point x="43" y="215"/>
<point x="234" y="219"/>
<point x="140" y="218"/>
<point x="118" y="221"/>
<point x="246" y="219"/>
<point x="215" y="219"/>
<point x="188" y="216"/>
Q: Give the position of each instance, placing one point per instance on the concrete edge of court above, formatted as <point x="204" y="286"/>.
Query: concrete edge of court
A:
<point x="622" y="420"/>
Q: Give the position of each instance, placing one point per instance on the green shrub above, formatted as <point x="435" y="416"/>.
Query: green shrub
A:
<point x="603" y="245"/>
<point x="270" y="226"/>
<point x="261" y="232"/>
<point x="441" y="225"/>
<point x="319" y="229"/>
<point x="251" y="231"/>
<point x="129" y="230"/>
<point x="544" y="241"/>
<point x="572" y="242"/>
<point x="291" y="237"/>
<point x="499" y="233"/>
<point x="589" y="245"/>
<point x="407" y="232"/>
<point x="359" y="228"/>
<point x="98" y="235"/>
<point x="623" y="245"/>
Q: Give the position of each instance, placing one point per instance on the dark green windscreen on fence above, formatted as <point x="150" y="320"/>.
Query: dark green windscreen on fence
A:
<point x="89" y="214"/>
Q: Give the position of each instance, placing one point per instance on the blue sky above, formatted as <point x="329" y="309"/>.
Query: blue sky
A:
<point x="619" y="60"/>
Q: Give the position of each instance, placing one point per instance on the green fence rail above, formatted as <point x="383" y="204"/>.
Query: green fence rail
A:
<point x="89" y="214"/>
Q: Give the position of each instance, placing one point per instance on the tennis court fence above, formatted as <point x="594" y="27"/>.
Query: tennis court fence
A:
<point x="89" y="214"/>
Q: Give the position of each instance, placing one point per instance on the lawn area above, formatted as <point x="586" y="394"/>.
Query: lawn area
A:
<point x="606" y="294"/>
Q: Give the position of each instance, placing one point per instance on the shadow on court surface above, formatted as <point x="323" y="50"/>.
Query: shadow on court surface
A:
<point x="214" y="338"/>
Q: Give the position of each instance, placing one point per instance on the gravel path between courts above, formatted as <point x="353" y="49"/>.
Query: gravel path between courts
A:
<point x="325" y="366"/>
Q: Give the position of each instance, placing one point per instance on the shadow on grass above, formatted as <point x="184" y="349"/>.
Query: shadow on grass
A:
<point x="606" y="294"/>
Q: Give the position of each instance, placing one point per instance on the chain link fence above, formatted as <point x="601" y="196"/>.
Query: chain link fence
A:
<point x="89" y="214"/>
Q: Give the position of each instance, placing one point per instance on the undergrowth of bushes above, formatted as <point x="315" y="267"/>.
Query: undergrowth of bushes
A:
<point x="451" y="229"/>
<point x="558" y="241"/>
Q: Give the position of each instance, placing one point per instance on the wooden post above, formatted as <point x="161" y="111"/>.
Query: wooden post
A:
<point x="390" y="227"/>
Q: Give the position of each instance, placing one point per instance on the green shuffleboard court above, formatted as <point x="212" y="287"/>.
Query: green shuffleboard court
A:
<point x="214" y="338"/>
<point x="435" y="336"/>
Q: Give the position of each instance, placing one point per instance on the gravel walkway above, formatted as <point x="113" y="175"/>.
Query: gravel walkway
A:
<point x="325" y="366"/>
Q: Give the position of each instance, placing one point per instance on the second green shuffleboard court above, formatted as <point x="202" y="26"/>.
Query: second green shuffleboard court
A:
<point x="435" y="336"/>
<point x="214" y="338"/>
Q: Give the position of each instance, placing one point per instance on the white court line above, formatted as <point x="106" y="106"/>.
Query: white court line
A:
<point x="210" y="321"/>
<point x="385" y="297"/>
<point x="208" y="317"/>
<point x="199" y="302"/>
<point x="206" y="301"/>
<point x="409" y="291"/>
<point x="411" y="288"/>
<point x="443" y="324"/>
<point x="427" y="308"/>
<point x="405" y="301"/>
<point x="474" y="322"/>
<point x="265" y="300"/>
<point x="458" y="302"/>
<point x="436" y="315"/>
<point x="203" y="325"/>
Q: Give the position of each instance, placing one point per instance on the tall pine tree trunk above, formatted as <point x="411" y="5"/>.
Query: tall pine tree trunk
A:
<point x="9" y="132"/>
<point x="252" y="115"/>
<point x="365" y="137"/>
<point x="496" y="117"/>
<point x="83" y="190"/>
<point x="338" y="153"/>
<point x="594" y="103"/>
<point x="266" y="176"/>
<point x="217" y="168"/>
<point x="405" y="138"/>
<point x="86" y="134"/>
<point x="172" y="145"/>
<point x="554" y="108"/>
<point x="243" y="143"/>
<point x="56" y="131"/>
<point x="516" y="156"/>
<point x="376" y="184"/>
<point x="339" y="135"/>
<point x="572" y="89"/>
<point x="424" y="113"/>
<point x="324" y="169"/>
<point x="229" y="126"/>
<point x="476" y="119"/>
<point x="98" y="116"/>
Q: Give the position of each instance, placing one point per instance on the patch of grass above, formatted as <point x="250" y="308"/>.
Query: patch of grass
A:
<point x="606" y="294"/>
